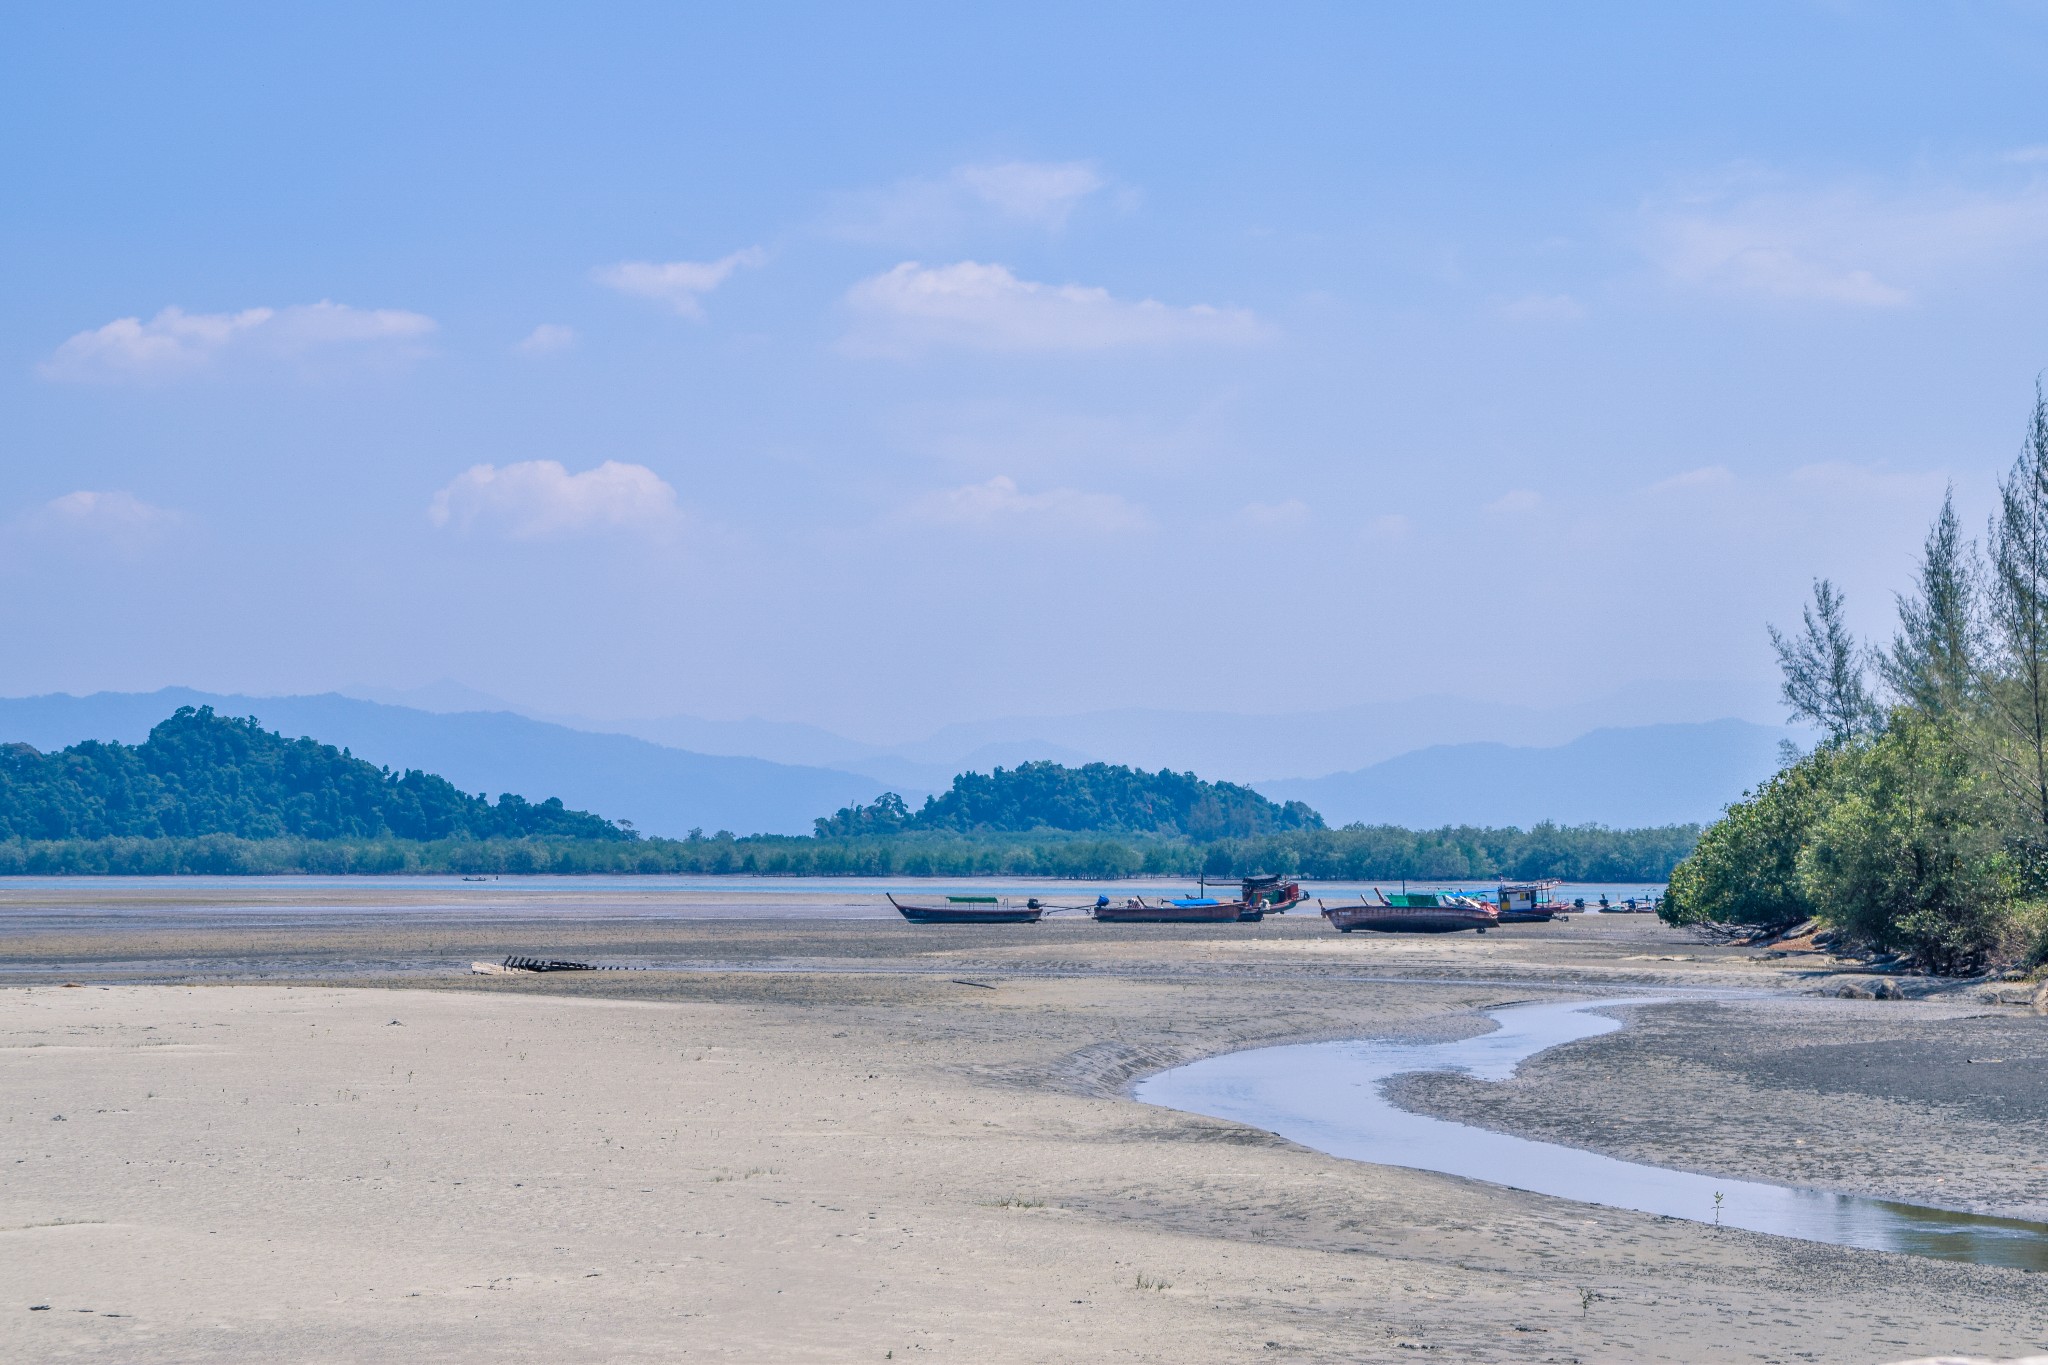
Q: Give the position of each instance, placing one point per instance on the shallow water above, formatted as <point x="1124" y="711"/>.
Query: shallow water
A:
<point x="1328" y="1096"/>
<point x="736" y="885"/>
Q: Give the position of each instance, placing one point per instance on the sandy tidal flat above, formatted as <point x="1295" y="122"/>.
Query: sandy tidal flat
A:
<point x="930" y="1157"/>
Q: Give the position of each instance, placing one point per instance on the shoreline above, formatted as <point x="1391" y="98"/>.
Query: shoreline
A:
<point x="710" y="1144"/>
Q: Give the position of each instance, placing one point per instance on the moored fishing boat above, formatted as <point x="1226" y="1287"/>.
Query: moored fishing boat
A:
<point x="969" y="910"/>
<point x="1529" y="902"/>
<point x="1185" y="910"/>
<point x="1412" y="912"/>
<point x="1265" y="895"/>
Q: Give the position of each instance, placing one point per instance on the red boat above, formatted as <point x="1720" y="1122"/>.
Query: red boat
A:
<point x="1191" y="910"/>
<point x="1267" y="895"/>
<point x="969" y="910"/>
<point x="1413" y="912"/>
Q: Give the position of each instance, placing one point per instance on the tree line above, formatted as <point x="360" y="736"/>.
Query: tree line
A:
<point x="208" y="794"/>
<point x="1581" y="853"/>
<point x="1918" y="824"/>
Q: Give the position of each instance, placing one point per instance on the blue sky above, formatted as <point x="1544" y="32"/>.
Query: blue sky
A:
<point x="886" y="366"/>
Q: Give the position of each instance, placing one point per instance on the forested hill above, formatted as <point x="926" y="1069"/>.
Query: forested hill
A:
<point x="1096" y="797"/>
<point x="199" y="773"/>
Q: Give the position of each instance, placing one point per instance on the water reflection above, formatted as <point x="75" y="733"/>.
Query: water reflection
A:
<point x="1328" y="1096"/>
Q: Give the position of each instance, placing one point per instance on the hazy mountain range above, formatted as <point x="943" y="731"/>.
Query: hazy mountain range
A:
<point x="1644" y="775"/>
<point x="1218" y="745"/>
<point x="1427" y="761"/>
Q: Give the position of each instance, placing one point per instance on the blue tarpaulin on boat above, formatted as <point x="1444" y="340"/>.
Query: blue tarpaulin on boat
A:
<point x="1197" y="900"/>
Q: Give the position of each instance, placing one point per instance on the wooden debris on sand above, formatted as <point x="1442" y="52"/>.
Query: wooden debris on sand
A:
<point x="516" y="964"/>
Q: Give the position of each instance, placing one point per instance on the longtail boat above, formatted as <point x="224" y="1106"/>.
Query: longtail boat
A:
<point x="1412" y="912"/>
<point x="1268" y="895"/>
<point x="1185" y="910"/>
<point x="1529" y="902"/>
<point x="969" y="910"/>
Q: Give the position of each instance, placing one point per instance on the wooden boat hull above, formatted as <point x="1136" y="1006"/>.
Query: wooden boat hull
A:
<point x="1252" y="914"/>
<point x="1223" y="912"/>
<point x="1540" y="916"/>
<point x="968" y="914"/>
<point x="1405" y="919"/>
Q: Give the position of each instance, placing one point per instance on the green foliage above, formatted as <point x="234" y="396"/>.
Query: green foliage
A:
<point x="1934" y="664"/>
<point x="1107" y="798"/>
<point x="210" y="795"/>
<point x="1746" y="867"/>
<point x="1922" y="830"/>
<point x="199" y="774"/>
<point x="888" y="815"/>
<point x="2016" y="683"/>
<point x="1909" y="858"/>
<point x="1587" y="853"/>
<point x="1388" y="852"/>
<point x="1823" y="668"/>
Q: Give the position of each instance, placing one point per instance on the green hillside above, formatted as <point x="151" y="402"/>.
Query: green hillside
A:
<point x="1097" y="798"/>
<point x="203" y="774"/>
<point x="210" y="795"/>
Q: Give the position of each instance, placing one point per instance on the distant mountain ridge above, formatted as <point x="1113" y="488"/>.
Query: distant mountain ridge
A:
<point x="1631" y="777"/>
<point x="1220" y="746"/>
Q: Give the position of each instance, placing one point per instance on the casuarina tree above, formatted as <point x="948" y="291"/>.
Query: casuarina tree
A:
<point x="1823" y="667"/>
<point x="2018" y="689"/>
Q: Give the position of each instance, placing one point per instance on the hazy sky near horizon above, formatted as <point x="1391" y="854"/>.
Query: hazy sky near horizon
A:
<point x="883" y="366"/>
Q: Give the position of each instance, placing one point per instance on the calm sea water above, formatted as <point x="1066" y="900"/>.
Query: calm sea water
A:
<point x="658" y="896"/>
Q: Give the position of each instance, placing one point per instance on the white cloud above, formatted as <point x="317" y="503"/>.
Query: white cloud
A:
<point x="175" y="344"/>
<point x="1387" y="527"/>
<point x="987" y="307"/>
<point x="540" y="500"/>
<point x="1543" y="308"/>
<point x="1852" y="246"/>
<point x="1000" y="503"/>
<point x="1715" y="503"/>
<point x="547" y="339"/>
<point x="1037" y="194"/>
<point x="679" y="284"/>
<point x="110" y="519"/>
<point x="1694" y="480"/>
<point x="1519" y="502"/>
<point x="1276" y="516"/>
<point x="1839" y="482"/>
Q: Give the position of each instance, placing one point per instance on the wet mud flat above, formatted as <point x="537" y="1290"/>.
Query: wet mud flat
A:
<point x="1934" y="1103"/>
<point x="171" y="935"/>
<point x="832" y="1141"/>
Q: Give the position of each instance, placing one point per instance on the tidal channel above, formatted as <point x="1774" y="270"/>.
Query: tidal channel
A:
<point x="1330" y="1096"/>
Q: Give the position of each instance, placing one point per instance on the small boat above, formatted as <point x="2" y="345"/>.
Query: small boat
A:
<point x="1184" y="910"/>
<point x="969" y="910"/>
<point x="1412" y="912"/>
<point x="1529" y="902"/>
<point x="1265" y="895"/>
